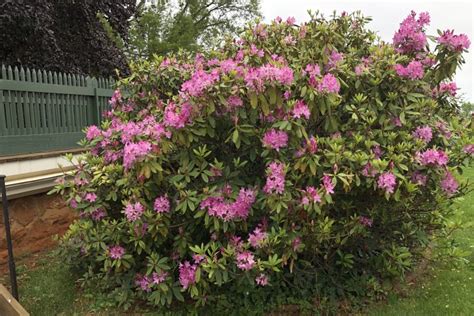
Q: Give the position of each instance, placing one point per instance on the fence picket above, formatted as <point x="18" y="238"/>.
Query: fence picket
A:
<point x="51" y="107"/>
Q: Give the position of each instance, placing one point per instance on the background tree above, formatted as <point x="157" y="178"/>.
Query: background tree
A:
<point x="64" y="35"/>
<point x="188" y="24"/>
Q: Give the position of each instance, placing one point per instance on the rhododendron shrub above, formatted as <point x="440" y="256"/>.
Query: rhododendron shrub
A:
<point x="311" y="155"/>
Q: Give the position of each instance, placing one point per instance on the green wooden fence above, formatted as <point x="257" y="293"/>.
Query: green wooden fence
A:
<point x="45" y="111"/>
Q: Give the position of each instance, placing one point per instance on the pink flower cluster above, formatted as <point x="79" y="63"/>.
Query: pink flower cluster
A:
<point x="133" y="211"/>
<point x="275" y="139"/>
<point x="257" y="237"/>
<point x="255" y="78"/>
<point x="219" y="207"/>
<point x="116" y="252"/>
<point x="177" y="117"/>
<point x="261" y="280"/>
<point x="187" y="274"/>
<point x="424" y="133"/>
<point x="414" y="70"/>
<point x="334" y="60"/>
<point x="367" y="222"/>
<point x="93" y="132"/>
<point x="449" y="184"/>
<point x="329" y="84"/>
<point x="449" y="88"/>
<point x="146" y="282"/>
<point x="300" y="109"/>
<point x="410" y="37"/>
<point x="275" y="178"/>
<point x="235" y="101"/>
<point x="369" y="170"/>
<point x="245" y="260"/>
<point x="387" y="182"/>
<point x="469" y="149"/>
<point x="456" y="43"/>
<point x="135" y="151"/>
<point x="327" y="184"/>
<point x="432" y="157"/>
<point x="161" y="204"/>
<point x="310" y="195"/>
<point x="90" y="197"/>
<point x="419" y="178"/>
<point x="199" y="82"/>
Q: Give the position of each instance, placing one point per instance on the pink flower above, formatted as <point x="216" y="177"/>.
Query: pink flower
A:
<point x="443" y="129"/>
<point x="424" y="133"/>
<point x="134" y="211"/>
<point x="369" y="170"/>
<point x="218" y="207"/>
<point x="198" y="258"/>
<point x="73" y="203"/>
<point x="98" y="214"/>
<point x="90" y="197"/>
<point x="449" y="88"/>
<point x="261" y="280"/>
<point x="312" y="145"/>
<point x="334" y="60"/>
<point x="359" y="69"/>
<point x="290" y="20"/>
<point x="235" y="101"/>
<point x="414" y="70"/>
<point x="367" y="222"/>
<point x="200" y="81"/>
<point x="158" y="278"/>
<point x="174" y="119"/>
<point x="432" y="157"/>
<point x="327" y="184"/>
<point x="329" y="84"/>
<point x="116" y="98"/>
<point x="245" y="260"/>
<point x="187" y="274"/>
<point x="396" y="121"/>
<point x="144" y="282"/>
<point x="453" y="42"/>
<point x="135" y="151"/>
<point x="469" y="149"/>
<point x="161" y="204"/>
<point x="93" y="132"/>
<point x="378" y="152"/>
<point x="257" y="237"/>
<point x="419" y="178"/>
<point x="275" y="179"/>
<point x="295" y="243"/>
<point x="301" y="110"/>
<point x="310" y="195"/>
<point x="275" y="139"/>
<point x="289" y="40"/>
<point x="312" y="70"/>
<point x="410" y="37"/>
<point x="255" y="78"/>
<point x="449" y="184"/>
<point x="387" y="181"/>
<point x="254" y="51"/>
<point x="116" y="252"/>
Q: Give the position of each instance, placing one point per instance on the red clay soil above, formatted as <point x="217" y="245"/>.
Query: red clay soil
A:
<point x="34" y="221"/>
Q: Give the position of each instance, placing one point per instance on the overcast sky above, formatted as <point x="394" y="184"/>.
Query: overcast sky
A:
<point x="386" y="17"/>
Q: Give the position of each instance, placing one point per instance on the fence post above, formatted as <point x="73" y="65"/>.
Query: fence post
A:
<point x="94" y="109"/>
<point x="6" y="220"/>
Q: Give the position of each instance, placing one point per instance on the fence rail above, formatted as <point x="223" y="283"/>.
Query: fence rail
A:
<point x="43" y="110"/>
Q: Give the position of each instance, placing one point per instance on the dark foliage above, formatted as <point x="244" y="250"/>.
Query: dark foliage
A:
<point x="64" y="35"/>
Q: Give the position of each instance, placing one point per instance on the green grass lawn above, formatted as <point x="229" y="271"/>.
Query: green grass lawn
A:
<point x="49" y="289"/>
